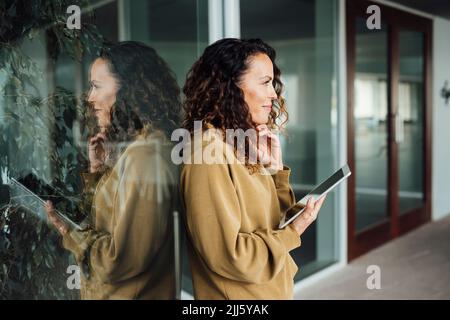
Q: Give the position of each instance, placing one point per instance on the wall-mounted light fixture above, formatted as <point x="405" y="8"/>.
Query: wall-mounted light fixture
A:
<point x="445" y="92"/>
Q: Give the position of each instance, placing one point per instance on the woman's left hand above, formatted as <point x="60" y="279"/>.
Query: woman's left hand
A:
<point x="61" y="226"/>
<point x="269" y="148"/>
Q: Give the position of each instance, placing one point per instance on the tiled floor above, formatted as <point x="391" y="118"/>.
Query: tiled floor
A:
<point x="415" y="266"/>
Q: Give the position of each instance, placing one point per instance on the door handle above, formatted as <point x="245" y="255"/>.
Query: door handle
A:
<point x="399" y="129"/>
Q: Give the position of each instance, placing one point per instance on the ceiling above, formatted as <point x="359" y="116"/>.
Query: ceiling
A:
<point x="187" y="20"/>
<point x="435" y="7"/>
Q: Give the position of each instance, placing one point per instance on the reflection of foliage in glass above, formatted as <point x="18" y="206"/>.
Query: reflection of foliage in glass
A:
<point x="32" y="262"/>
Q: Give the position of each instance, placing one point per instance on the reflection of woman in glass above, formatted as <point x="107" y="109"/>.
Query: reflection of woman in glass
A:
<point x="233" y="209"/>
<point x="127" y="252"/>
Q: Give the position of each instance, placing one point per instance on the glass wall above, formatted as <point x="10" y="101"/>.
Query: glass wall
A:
<point x="45" y="74"/>
<point x="305" y="41"/>
<point x="45" y="70"/>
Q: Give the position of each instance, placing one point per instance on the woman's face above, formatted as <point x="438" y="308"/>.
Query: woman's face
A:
<point x="257" y="85"/>
<point x="102" y="94"/>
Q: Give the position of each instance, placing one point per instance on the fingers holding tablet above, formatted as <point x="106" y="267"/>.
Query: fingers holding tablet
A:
<point x="309" y="215"/>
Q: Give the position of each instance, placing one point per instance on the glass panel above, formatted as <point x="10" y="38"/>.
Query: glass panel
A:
<point x="410" y="137"/>
<point x="178" y="30"/>
<point x="370" y="117"/>
<point x="304" y="38"/>
<point x="44" y="80"/>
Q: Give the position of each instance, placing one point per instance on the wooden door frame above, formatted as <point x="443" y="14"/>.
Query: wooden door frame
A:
<point x="359" y="243"/>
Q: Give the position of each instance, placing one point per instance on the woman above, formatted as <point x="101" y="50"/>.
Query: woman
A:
<point x="232" y="209"/>
<point x="127" y="251"/>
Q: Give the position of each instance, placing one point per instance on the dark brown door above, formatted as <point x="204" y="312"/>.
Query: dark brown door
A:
<point x="389" y="132"/>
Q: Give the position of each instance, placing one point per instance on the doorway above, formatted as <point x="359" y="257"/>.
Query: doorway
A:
<point x="389" y="131"/>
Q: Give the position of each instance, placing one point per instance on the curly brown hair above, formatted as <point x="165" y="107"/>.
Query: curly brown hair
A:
<point x="212" y="90"/>
<point x="148" y="98"/>
<point x="148" y="95"/>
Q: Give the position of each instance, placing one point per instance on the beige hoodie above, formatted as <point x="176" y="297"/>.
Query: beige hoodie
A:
<point x="127" y="253"/>
<point x="235" y="248"/>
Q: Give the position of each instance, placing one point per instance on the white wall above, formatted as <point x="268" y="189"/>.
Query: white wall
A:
<point x="441" y="120"/>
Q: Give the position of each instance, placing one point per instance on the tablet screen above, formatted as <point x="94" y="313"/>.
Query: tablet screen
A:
<point x="317" y="193"/>
<point x="23" y="196"/>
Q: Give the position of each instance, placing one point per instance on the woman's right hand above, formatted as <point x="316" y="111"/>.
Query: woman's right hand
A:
<point x="54" y="219"/>
<point x="96" y="151"/>
<point x="308" y="216"/>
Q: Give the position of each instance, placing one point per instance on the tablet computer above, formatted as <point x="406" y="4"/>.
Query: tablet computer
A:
<point x="21" y="195"/>
<point x="318" y="192"/>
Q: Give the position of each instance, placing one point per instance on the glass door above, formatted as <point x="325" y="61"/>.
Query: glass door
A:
<point x="410" y="136"/>
<point x="388" y="125"/>
<point x="370" y="116"/>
